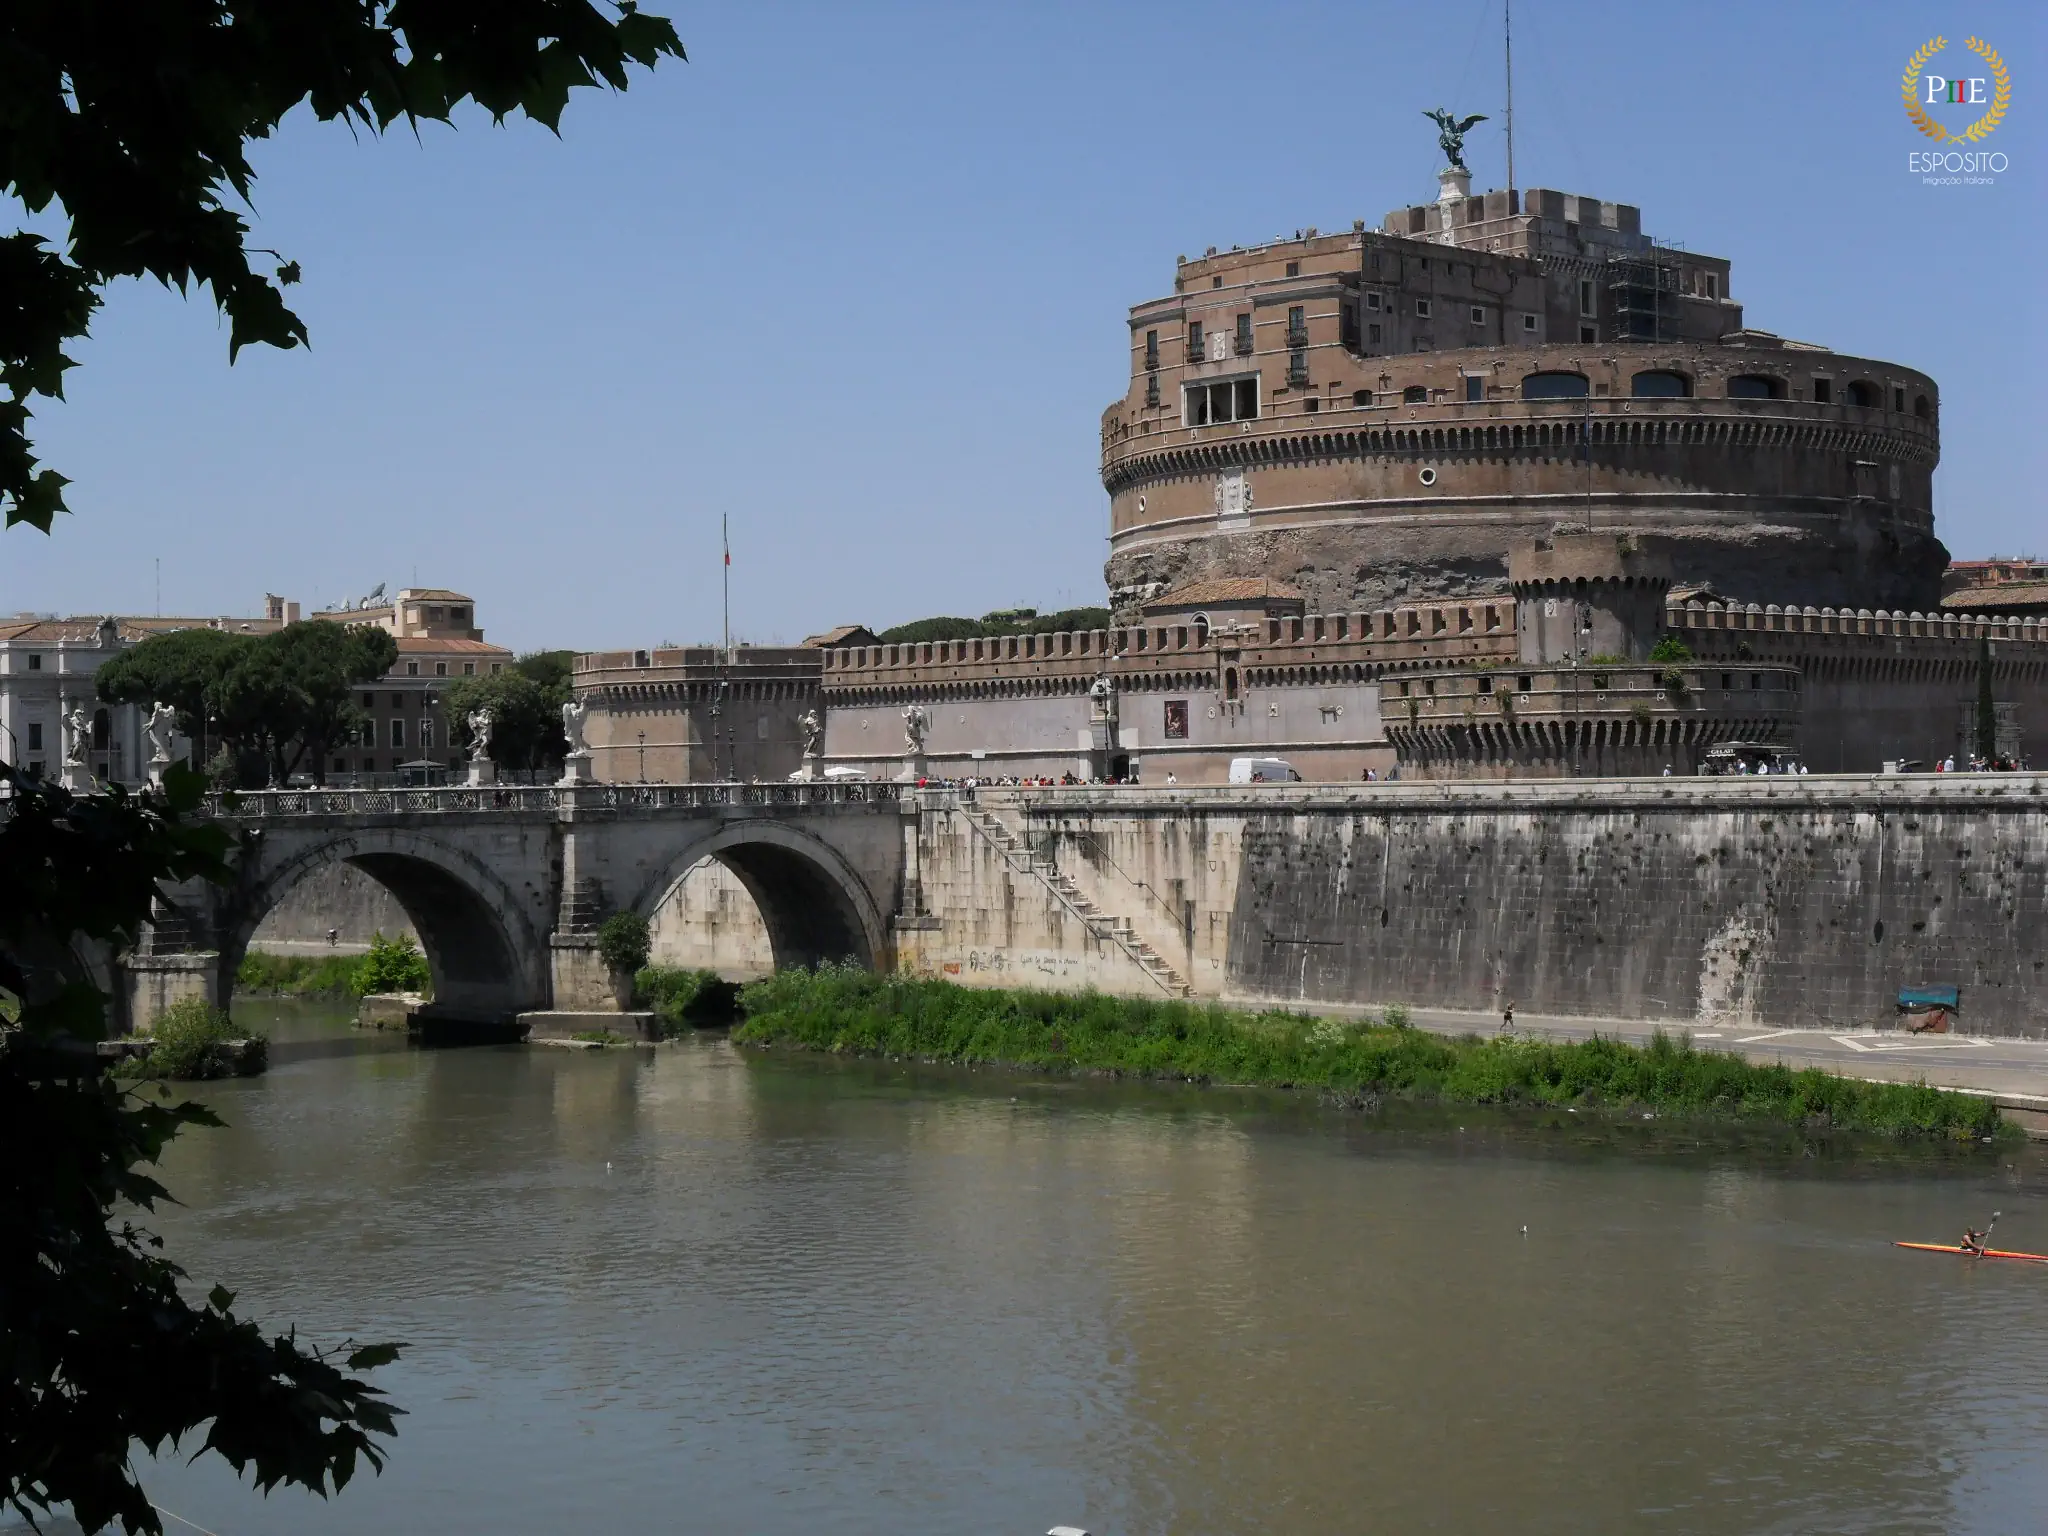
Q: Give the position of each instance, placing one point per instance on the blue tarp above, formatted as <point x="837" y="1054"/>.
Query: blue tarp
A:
<point x="1930" y="997"/>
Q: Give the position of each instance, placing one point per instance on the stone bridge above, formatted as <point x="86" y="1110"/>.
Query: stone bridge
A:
<point x="506" y="885"/>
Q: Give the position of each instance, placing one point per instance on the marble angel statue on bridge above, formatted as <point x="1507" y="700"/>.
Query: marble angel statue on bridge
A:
<point x="480" y="723"/>
<point x="917" y="723"/>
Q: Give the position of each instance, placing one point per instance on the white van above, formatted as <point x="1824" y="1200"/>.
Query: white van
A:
<point x="1262" y="770"/>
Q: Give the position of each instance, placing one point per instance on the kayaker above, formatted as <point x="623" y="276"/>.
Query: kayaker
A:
<point x="1973" y="1242"/>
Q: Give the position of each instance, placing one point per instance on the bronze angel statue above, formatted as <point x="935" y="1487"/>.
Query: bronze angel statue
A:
<point x="1451" y="134"/>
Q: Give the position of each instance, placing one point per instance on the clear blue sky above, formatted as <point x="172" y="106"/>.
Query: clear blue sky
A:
<point x="856" y="275"/>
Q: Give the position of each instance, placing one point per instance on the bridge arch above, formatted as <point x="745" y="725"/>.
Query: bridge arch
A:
<point x="813" y="902"/>
<point x="487" y="962"/>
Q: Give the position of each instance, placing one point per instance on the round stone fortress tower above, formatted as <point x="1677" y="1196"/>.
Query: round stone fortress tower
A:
<point x="1381" y="415"/>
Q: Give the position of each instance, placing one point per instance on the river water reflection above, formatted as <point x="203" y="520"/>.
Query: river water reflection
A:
<point x="691" y="1290"/>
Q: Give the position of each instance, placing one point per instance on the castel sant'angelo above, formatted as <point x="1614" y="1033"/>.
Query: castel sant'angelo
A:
<point x="1381" y="415"/>
<point x="1503" y="488"/>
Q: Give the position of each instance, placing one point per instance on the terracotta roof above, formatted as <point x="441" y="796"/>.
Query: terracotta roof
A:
<point x="434" y="595"/>
<point x="2001" y="597"/>
<point x="842" y="634"/>
<point x="425" y="645"/>
<point x="82" y="630"/>
<point x="1227" y="589"/>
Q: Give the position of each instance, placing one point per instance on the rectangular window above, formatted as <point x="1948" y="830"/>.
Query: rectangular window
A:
<point x="412" y="669"/>
<point x="1348" y="326"/>
<point x="1713" y="285"/>
<point x="1151" y="389"/>
<point x="1294" y="269"/>
<point x="1823" y="391"/>
<point x="1372" y="335"/>
<point x="35" y="738"/>
<point x="369" y="701"/>
<point x="1297" y="365"/>
<point x="1372" y="301"/>
<point x="369" y="765"/>
<point x="1297" y="325"/>
<point x="1244" y="335"/>
<point x="1176" y="719"/>
<point x="1528" y="322"/>
<point x="1194" y="341"/>
<point x="440" y="669"/>
<point x="398" y="701"/>
<point x="1422" y="308"/>
<point x="1586" y="297"/>
<point x="469" y="669"/>
<point x="1478" y="315"/>
<point x="1151" y="349"/>
<point x="1225" y="400"/>
<point x="1475" y="387"/>
<point x="1898" y="398"/>
<point x="398" y="733"/>
<point x="35" y="662"/>
<point x="1587" y="334"/>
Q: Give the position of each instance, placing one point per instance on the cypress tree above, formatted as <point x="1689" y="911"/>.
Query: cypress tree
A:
<point x="1987" y="712"/>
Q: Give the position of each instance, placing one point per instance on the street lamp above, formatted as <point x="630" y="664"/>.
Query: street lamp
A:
<point x="643" y="757"/>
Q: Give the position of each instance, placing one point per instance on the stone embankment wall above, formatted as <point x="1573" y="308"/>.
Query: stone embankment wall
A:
<point x="1712" y="902"/>
<point x="340" y="897"/>
<point x="710" y="922"/>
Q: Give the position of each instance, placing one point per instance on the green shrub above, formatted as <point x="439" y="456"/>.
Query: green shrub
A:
<point x="1670" y="649"/>
<point x="684" y="1000"/>
<point x="191" y="1040"/>
<point x="623" y="943"/>
<point x="392" y="965"/>
<point x="843" y="1009"/>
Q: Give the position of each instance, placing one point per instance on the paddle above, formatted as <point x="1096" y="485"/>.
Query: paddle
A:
<point x="1984" y="1237"/>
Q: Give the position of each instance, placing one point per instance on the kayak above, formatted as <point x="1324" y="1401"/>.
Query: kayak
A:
<point x="1988" y="1253"/>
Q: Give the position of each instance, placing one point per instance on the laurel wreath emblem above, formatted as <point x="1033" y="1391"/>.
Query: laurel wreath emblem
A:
<point x="2001" y="97"/>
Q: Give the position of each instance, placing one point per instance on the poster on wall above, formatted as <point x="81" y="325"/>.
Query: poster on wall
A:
<point x="1176" y="719"/>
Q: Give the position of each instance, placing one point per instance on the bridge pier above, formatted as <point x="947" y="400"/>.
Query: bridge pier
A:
<point x="151" y="984"/>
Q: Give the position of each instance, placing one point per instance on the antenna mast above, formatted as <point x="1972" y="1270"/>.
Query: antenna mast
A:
<point x="1507" y="26"/>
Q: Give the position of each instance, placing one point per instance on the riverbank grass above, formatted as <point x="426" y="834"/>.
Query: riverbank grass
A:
<point x="846" y="1010"/>
<point x="392" y="965"/>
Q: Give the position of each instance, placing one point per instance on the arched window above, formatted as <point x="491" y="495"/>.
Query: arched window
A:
<point x="1921" y="408"/>
<point x="1553" y="386"/>
<point x="1755" y="386"/>
<point x="1361" y="397"/>
<point x="1862" y="393"/>
<point x="1660" y="384"/>
<point x="1201" y="629"/>
<point x="1230" y="682"/>
<point x="1415" y="394"/>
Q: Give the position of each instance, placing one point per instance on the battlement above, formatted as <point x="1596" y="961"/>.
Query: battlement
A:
<point x="1771" y="618"/>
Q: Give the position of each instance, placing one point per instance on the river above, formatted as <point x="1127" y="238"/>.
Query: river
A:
<point x="695" y="1290"/>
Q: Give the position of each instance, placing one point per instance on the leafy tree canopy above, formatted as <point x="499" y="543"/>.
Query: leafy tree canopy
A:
<point x="551" y="669"/>
<point x="101" y="1347"/>
<point x="526" y="717"/>
<point x="282" y="698"/>
<point x="1004" y="622"/>
<point x="181" y="668"/>
<point x="133" y="122"/>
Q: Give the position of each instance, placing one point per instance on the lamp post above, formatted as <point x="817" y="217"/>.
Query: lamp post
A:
<point x="643" y="757"/>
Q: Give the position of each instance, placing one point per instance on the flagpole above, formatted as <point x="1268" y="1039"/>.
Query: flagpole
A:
<point x="725" y="655"/>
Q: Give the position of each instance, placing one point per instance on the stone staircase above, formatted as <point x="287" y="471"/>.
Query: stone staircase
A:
<point x="1103" y="925"/>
